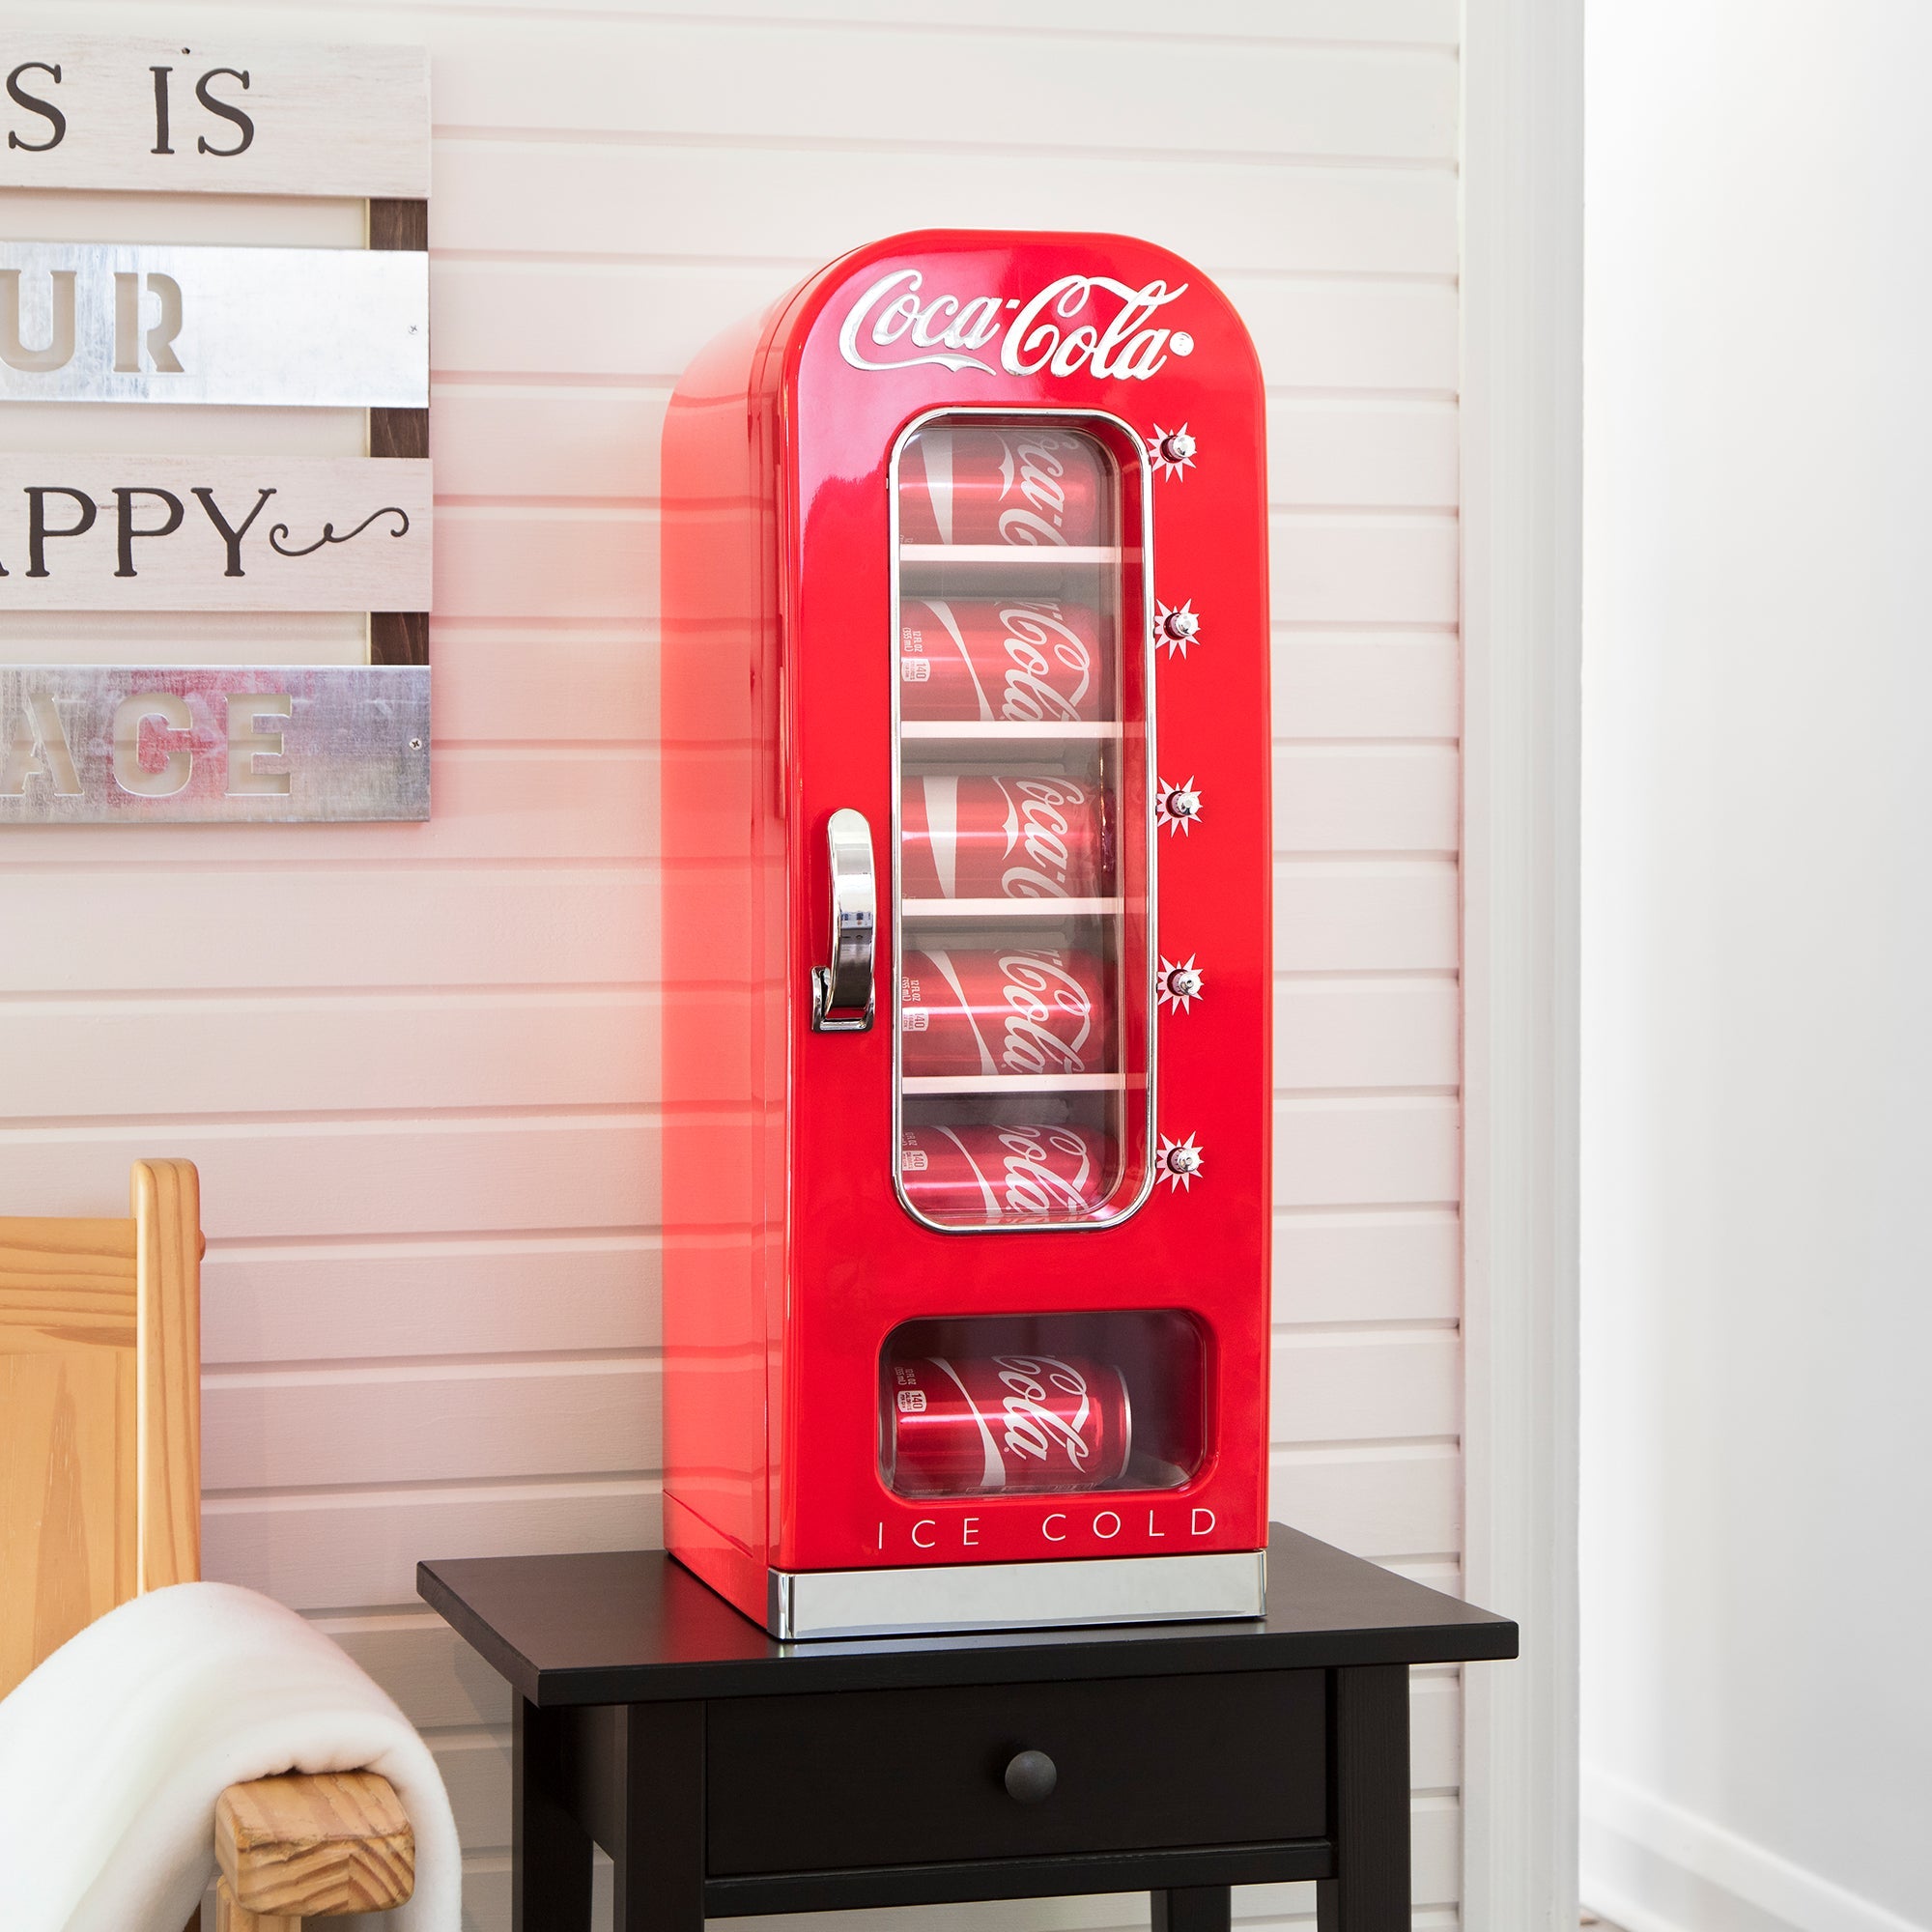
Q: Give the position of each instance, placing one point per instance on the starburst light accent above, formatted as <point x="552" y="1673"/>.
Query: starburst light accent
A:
<point x="1179" y="983"/>
<point x="1179" y="1162"/>
<point x="1176" y="626"/>
<point x="1172" y="450"/>
<point x="1179" y="805"/>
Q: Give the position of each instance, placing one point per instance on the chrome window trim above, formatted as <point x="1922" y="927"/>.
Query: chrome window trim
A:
<point x="1138" y="440"/>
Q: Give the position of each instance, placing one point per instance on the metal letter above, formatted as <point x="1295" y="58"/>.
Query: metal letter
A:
<point x="245" y="744"/>
<point x="59" y="351"/>
<point x="37" y="748"/>
<point x="176" y="767"/>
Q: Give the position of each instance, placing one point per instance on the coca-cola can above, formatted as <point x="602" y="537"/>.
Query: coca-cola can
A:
<point x="980" y="1174"/>
<point x="1001" y="485"/>
<point x="1015" y="836"/>
<point x="1022" y="1424"/>
<point x="1000" y="659"/>
<point x="1024" y="1010"/>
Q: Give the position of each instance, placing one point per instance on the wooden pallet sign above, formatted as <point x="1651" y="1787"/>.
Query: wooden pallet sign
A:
<point x="131" y="324"/>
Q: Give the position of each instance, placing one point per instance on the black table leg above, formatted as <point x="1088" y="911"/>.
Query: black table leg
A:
<point x="659" y="1855"/>
<point x="550" y="1880"/>
<point x="1368" y="1798"/>
<point x="1192" y="1908"/>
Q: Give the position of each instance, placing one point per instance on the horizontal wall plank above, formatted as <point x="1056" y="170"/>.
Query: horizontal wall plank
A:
<point x="107" y="928"/>
<point x="338" y="1552"/>
<point x="536" y="442"/>
<point x="490" y="1422"/>
<point x="1389" y="1266"/>
<point x="1358" y="1153"/>
<point x="1359" y="685"/>
<point x="264" y="1178"/>
<point x="567" y="1295"/>
<point x="313" y="926"/>
<point x="630" y="322"/>
<point x="1332" y="568"/>
<point x="1397" y="455"/>
<point x="472" y="1423"/>
<point x="674" y="78"/>
<point x="532" y="683"/>
<point x="600" y="802"/>
<point x="580" y="802"/>
<point x="1388" y="915"/>
<point x="1351" y="1387"/>
<point x="1376" y="1502"/>
<point x="1383" y="798"/>
<point x="812" y="204"/>
<point x="291" y="1179"/>
<point x="1413" y="22"/>
<point x="334" y="1052"/>
<point x="435" y="1678"/>
<point x="600" y="564"/>
<point x="1345" y="1033"/>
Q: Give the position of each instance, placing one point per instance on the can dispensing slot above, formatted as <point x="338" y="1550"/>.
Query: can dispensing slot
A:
<point x="845" y="986"/>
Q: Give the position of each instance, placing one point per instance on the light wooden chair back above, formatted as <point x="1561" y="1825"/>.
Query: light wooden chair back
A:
<point x="101" y="1499"/>
<point x="99" y="1412"/>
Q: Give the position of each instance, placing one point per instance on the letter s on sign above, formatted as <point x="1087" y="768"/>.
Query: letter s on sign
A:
<point x="34" y="104"/>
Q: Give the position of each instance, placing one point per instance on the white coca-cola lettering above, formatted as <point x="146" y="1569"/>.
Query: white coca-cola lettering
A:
<point x="1038" y="990"/>
<point x="1036" y="825"/>
<point x="1041" y="335"/>
<point x="1036" y="640"/>
<point x="1037" y="472"/>
<point x="1031" y="1185"/>
<point x="1033" y="1427"/>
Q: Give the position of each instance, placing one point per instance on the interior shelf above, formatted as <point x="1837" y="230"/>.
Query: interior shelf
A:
<point x="1003" y="909"/>
<point x="1019" y="557"/>
<point x="997" y="731"/>
<point x="1014" y="1082"/>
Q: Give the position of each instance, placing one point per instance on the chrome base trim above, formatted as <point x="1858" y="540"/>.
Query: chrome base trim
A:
<point x="807" y="1605"/>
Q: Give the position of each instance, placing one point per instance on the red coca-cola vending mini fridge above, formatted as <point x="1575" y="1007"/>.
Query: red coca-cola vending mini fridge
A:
<point x="966" y="926"/>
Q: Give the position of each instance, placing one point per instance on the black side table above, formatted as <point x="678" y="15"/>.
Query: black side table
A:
<point x="727" y="1773"/>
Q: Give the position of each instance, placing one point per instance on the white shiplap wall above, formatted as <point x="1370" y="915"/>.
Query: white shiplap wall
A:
<point x="417" y="1066"/>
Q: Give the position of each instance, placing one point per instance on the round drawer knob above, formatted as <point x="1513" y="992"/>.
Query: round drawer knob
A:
<point x="1031" y="1777"/>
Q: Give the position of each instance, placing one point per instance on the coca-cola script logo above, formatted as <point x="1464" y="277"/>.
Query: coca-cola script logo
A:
<point x="1038" y="826"/>
<point x="1037" y="335"/>
<point x="1031" y="1183"/>
<point x="1038" y="644"/>
<point x="1040" y="1391"/>
<point x="1048" y="1015"/>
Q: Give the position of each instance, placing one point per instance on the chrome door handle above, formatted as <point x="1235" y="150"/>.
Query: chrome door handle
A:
<point x="847" y="984"/>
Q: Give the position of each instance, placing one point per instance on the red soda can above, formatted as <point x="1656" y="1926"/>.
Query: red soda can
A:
<point x="974" y="1173"/>
<point x="1008" y="1425"/>
<point x="1019" y="836"/>
<point x="999" y="660"/>
<point x="1001" y="485"/>
<point x="983" y="1009"/>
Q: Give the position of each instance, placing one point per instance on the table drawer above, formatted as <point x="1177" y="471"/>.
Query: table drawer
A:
<point x="882" y="1778"/>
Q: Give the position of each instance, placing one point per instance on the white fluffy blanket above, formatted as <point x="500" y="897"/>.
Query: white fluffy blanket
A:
<point x="113" y="1752"/>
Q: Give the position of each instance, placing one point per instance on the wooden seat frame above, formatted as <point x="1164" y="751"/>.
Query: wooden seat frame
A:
<point x="101" y="1499"/>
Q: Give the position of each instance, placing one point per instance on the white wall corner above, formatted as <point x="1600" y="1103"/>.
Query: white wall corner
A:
<point x="1521" y="402"/>
<point x="1650" y="1865"/>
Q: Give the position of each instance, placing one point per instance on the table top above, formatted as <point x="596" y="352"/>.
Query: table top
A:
<point x="634" y="1626"/>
